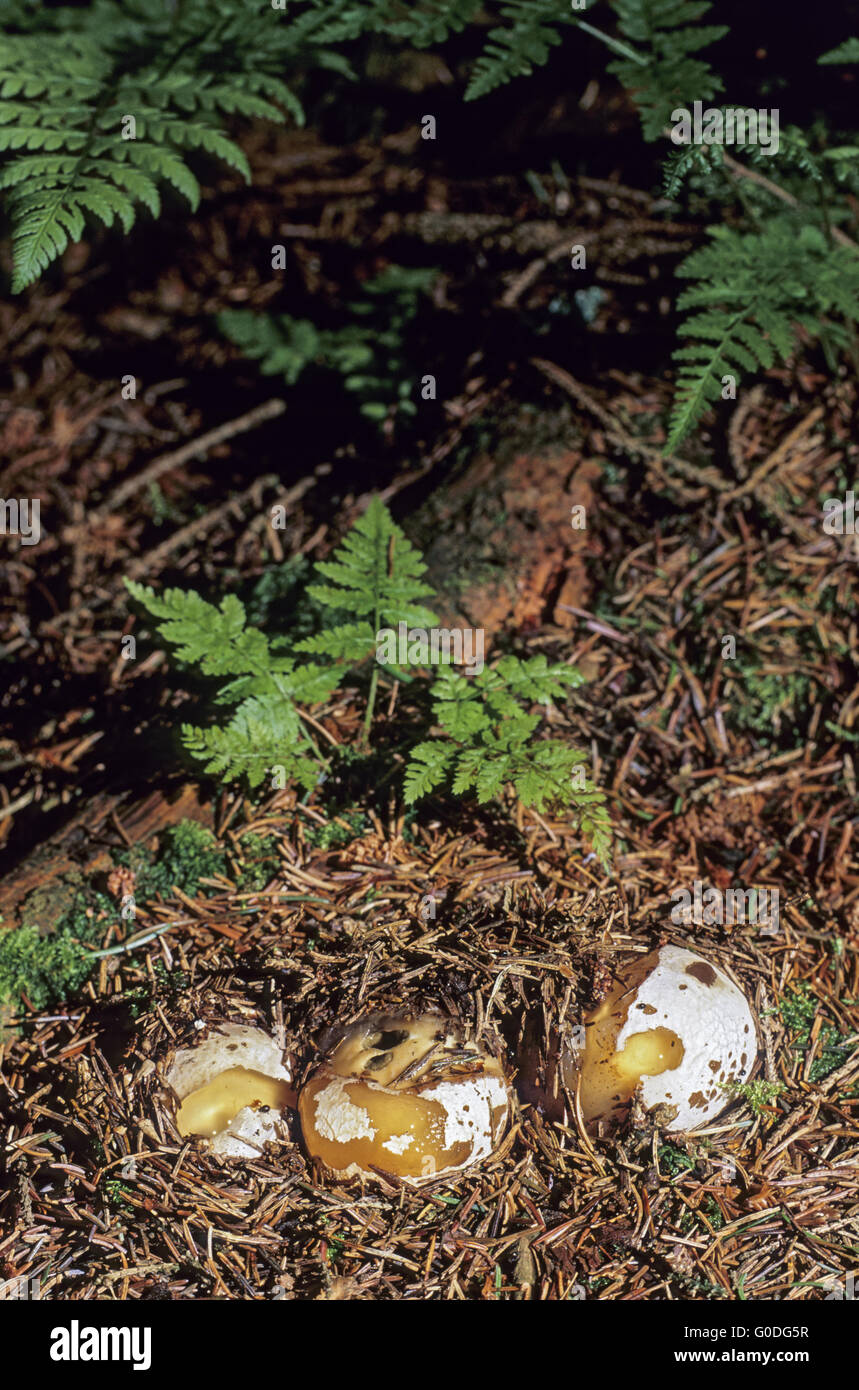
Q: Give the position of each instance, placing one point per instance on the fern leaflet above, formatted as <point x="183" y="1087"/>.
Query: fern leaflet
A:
<point x="665" y="72"/>
<point x="375" y="573"/>
<point x="751" y="292"/>
<point x="515" y="49"/>
<point x="263" y="734"/>
<point x="488" y="740"/>
<point x="846" y="52"/>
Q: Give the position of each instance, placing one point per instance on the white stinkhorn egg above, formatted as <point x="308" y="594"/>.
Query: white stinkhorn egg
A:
<point x="232" y="1088"/>
<point x="675" y="1028"/>
<point x="407" y="1095"/>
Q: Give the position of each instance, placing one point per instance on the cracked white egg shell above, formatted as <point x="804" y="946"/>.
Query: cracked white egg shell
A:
<point x="676" y="1028"/>
<point x="407" y="1095"/>
<point x="231" y="1088"/>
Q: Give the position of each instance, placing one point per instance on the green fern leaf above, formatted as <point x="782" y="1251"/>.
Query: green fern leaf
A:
<point x="533" y="679"/>
<point x="846" y="52"/>
<point x="375" y="573"/>
<point x="429" y="764"/>
<point x="682" y="164"/>
<point x="347" y="642"/>
<point x="666" y="74"/>
<point x="490" y="775"/>
<point x="306" y="684"/>
<point x="67" y="91"/>
<point x="595" y="825"/>
<point x="752" y="290"/>
<point x="215" y="638"/>
<point x="262" y="734"/>
<point x="515" y="49"/>
<point x="461" y="718"/>
<point x="282" y="345"/>
<point x="429" y="22"/>
<point x="543" y="777"/>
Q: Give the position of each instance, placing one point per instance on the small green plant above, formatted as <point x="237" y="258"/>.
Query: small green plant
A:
<point x="757" y="1094"/>
<point x="105" y="104"/>
<point x="116" y="1194"/>
<point x="659" y="62"/>
<point x="799" y="1008"/>
<point x="260" y="862"/>
<point x="751" y="294"/>
<point x="763" y="701"/>
<point x="43" y="969"/>
<point x="706" y="1215"/>
<point x="485" y="729"/>
<point x="337" y="833"/>
<point x="782" y="275"/>
<point x="674" y="1162"/>
<point x="515" y="48"/>
<point x="187" y="853"/>
<point x="368" y="352"/>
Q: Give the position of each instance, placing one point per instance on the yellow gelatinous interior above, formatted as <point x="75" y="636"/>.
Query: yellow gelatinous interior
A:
<point x="371" y="1104"/>
<point x="609" y="1077"/>
<point x="210" y="1109"/>
<point x="408" y="1132"/>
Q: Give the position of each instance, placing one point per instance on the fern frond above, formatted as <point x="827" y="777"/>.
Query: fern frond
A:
<point x="463" y="717"/>
<point x="666" y="72"/>
<point x="221" y="643"/>
<point x="595" y="825"/>
<point x="346" y="642"/>
<point x="375" y="572"/>
<point x="463" y="705"/>
<point x="429" y="765"/>
<point x="532" y="679"/>
<point x="516" y="48"/>
<point x="846" y="52"/>
<point x="489" y="740"/>
<point x="367" y="352"/>
<point x="67" y="92"/>
<point x="217" y="639"/>
<point x="540" y="772"/>
<point x="306" y="684"/>
<point x="544" y="777"/>
<point x="262" y="734"/>
<point x="426" y="23"/>
<point x="683" y="164"/>
<point x="751" y="291"/>
<point x="488" y="728"/>
<point x="282" y="345"/>
<point x="844" y="162"/>
<point x="479" y="770"/>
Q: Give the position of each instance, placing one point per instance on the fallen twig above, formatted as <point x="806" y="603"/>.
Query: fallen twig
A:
<point x="258" y="416"/>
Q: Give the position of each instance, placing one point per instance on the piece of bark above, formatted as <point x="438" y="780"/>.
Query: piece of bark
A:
<point x="78" y="849"/>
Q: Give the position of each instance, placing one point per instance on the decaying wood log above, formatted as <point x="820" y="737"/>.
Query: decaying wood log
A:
<point x="83" y="845"/>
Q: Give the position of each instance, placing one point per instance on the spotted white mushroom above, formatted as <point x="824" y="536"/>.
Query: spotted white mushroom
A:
<point x="408" y="1096"/>
<point x="231" y="1088"/>
<point x="675" y="1028"/>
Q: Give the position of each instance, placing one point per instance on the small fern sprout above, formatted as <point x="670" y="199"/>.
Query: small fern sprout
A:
<point x="486" y="732"/>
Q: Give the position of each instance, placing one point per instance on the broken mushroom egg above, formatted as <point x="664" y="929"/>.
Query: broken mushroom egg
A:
<point x="674" y="1028"/>
<point x="406" y="1095"/>
<point x="231" y="1088"/>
